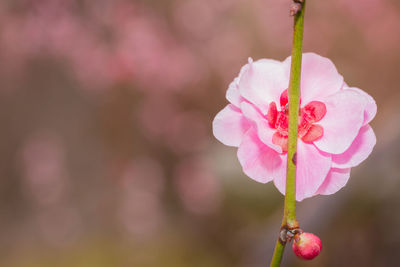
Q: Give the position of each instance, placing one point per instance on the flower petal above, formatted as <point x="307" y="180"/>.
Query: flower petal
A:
<point x="312" y="168"/>
<point x="319" y="77"/>
<point x="230" y="125"/>
<point x="358" y="151"/>
<point x="262" y="82"/>
<point x="264" y="131"/>
<point x="370" y="108"/>
<point x="280" y="175"/>
<point x="258" y="160"/>
<point x="280" y="140"/>
<point x="233" y="94"/>
<point x="335" y="180"/>
<point x="342" y="122"/>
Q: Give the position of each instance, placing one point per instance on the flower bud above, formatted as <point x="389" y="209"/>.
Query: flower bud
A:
<point x="307" y="246"/>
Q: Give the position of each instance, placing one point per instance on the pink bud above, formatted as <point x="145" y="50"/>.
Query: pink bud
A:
<point x="307" y="246"/>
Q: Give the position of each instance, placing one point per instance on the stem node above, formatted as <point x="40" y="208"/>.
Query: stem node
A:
<point x="295" y="8"/>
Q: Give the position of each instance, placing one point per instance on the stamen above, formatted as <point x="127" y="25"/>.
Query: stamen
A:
<point x="314" y="133"/>
<point x="308" y="131"/>
<point x="272" y="114"/>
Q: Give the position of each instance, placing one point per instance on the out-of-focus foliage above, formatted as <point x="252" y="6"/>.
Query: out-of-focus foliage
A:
<point x="107" y="157"/>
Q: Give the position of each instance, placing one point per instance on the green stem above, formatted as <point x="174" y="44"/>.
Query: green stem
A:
<point x="278" y="253"/>
<point x="289" y="215"/>
<point x="289" y="218"/>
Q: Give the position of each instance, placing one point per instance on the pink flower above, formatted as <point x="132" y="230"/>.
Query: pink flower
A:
<point x="333" y="133"/>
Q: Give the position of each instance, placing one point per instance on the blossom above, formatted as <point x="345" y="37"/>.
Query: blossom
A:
<point x="333" y="130"/>
<point x="306" y="246"/>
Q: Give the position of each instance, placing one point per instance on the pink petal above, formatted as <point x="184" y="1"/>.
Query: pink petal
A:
<point x="319" y="77"/>
<point x="342" y="122"/>
<point x="280" y="140"/>
<point x="264" y="131"/>
<point x="263" y="82"/>
<point x="230" y="125"/>
<point x="280" y="175"/>
<point x="312" y="168"/>
<point x="233" y="94"/>
<point x="335" y="180"/>
<point x="358" y="151"/>
<point x="370" y="108"/>
<point x="258" y="160"/>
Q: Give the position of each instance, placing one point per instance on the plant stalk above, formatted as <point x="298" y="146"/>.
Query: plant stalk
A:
<point x="289" y="221"/>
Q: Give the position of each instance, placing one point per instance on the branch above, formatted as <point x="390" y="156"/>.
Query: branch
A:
<point x="289" y="221"/>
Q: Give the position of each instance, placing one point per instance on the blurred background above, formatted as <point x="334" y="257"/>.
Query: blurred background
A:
<point x="106" y="152"/>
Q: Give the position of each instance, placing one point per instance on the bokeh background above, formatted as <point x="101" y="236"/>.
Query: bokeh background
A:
<point x="106" y="152"/>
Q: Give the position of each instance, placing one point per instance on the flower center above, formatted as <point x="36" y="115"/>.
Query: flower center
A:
<point x="308" y="130"/>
